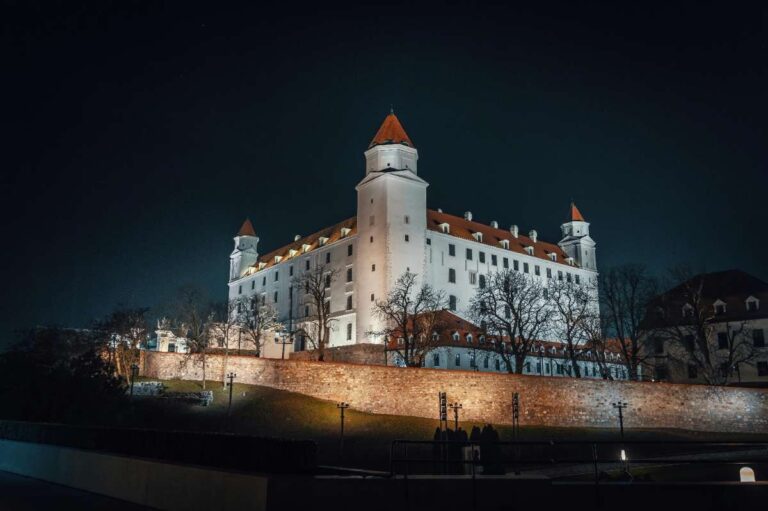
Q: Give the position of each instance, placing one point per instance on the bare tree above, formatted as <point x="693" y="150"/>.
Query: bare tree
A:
<point x="229" y="318"/>
<point x="259" y="317"/>
<point x="196" y="321"/>
<point x="624" y="294"/>
<point x="412" y="314"/>
<point x="122" y="334"/>
<point x="684" y="320"/>
<point x="316" y="327"/>
<point x="512" y="308"/>
<point x="597" y="343"/>
<point x="575" y="305"/>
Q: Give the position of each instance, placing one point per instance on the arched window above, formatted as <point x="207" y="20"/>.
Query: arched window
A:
<point x="436" y="360"/>
<point x="458" y="360"/>
<point x="469" y="338"/>
<point x="482" y="281"/>
<point x="455" y="336"/>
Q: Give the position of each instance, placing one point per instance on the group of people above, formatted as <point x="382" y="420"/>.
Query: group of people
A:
<point x="459" y="453"/>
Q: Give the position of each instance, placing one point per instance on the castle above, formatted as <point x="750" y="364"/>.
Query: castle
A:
<point x="392" y="233"/>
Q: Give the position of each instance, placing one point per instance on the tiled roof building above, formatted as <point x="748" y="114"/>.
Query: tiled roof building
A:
<point x="392" y="232"/>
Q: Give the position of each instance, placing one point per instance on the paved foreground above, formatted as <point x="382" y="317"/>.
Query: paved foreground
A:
<point x="19" y="493"/>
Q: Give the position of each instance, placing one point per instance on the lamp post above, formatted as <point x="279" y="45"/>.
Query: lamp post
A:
<point x="134" y="373"/>
<point x="455" y="407"/>
<point x="342" y="406"/>
<point x="620" y="406"/>
<point x="231" y="376"/>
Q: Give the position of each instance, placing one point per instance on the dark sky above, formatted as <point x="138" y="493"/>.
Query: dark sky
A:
<point x="138" y="136"/>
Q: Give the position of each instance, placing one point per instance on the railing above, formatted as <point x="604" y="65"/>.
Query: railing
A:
<point x="597" y="461"/>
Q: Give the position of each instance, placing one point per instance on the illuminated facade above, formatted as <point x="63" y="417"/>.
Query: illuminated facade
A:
<point x="394" y="232"/>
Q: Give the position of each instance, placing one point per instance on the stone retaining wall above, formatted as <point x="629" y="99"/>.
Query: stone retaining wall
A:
<point x="545" y="401"/>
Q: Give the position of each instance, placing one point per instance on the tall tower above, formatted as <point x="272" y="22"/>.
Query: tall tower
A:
<point x="576" y="241"/>
<point x="245" y="253"/>
<point x="391" y="221"/>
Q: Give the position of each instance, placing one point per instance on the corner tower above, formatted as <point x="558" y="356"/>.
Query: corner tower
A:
<point x="576" y="241"/>
<point x="245" y="253"/>
<point x="391" y="221"/>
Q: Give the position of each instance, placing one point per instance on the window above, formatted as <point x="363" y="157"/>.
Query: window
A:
<point x="455" y="336"/>
<point x="494" y="260"/>
<point x="239" y="290"/>
<point x="559" y="275"/>
<point x="497" y="364"/>
<point x="277" y="276"/>
<point x="469" y="338"/>
<point x="576" y="278"/>
<point x="458" y="360"/>
<point x="327" y="257"/>
<point x="537" y="270"/>
<point x="568" y="277"/>
<point x="473" y="278"/>
<point x="507" y="312"/>
<point x="306" y="265"/>
<point x="275" y="297"/>
<point x="752" y="305"/>
<point x="371" y="239"/>
<point x="658" y="346"/>
<point x="758" y="338"/>
<point x="349" y="302"/>
<point x="171" y="348"/>
<point x="349" y="331"/>
<point x="372" y="297"/>
<point x="472" y="362"/>
<point x="451" y="275"/>
<point x="407" y="238"/>
<point x="253" y="284"/>
<point x="436" y="360"/>
<point x="451" y="249"/>
<point x="762" y="368"/>
<point x="407" y="219"/>
<point x="328" y="281"/>
<point x="482" y="281"/>
<point x="371" y="220"/>
<point x="693" y="372"/>
<point x="549" y="273"/>
<point x="719" y="309"/>
<point x="506" y="263"/>
<point x="290" y="271"/>
<point x="688" y="342"/>
<point x="687" y="311"/>
<point x="722" y="340"/>
<point x="349" y="250"/>
<point x="429" y="241"/>
<point x="469" y="254"/>
<point x="481" y="256"/>
<point x="349" y="274"/>
<point x="373" y="267"/>
<point x="306" y="311"/>
<point x="452" y="302"/>
<point x="525" y="267"/>
<point x="516" y="265"/>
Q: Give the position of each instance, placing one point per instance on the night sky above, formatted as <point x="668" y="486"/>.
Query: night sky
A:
<point x="138" y="136"/>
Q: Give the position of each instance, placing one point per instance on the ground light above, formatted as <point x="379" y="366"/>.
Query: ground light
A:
<point x="746" y="475"/>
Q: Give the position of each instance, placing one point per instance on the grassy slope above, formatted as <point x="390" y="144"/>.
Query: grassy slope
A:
<point x="263" y="411"/>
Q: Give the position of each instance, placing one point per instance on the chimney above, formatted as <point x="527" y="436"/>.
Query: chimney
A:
<point x="468" y="215"/>
<point x="297" y="237"/>
<point x="533" y="235"/>
<point x="513" y="229"/>
<point x="439" y="210"/>
<point x="494" y="224"/>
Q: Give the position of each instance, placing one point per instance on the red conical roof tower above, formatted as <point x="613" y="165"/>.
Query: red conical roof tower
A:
<point x="576" y="214"/>
<point x="246" y="229"/>
<point x="391" y="132"/>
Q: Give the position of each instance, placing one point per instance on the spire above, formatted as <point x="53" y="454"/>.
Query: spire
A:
<point x="575" y="213"/>
<point x="246" y="229"/>
<point x="391" y="132"/>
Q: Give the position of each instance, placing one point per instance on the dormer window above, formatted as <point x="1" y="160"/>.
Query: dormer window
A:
<point x="469" y="338"/>
<point x="753" y="304"/>
<point x="569" y="260"/>
<point x="262" y="265"/>
<point x="345" y="231"/>
<point x="719" y="308"/>
<point x="529" y="250"/>
<point x="278" y="259"/>
<point x="322" y="240"/>
<point x="552" y="256"/>
<point x="504" y="244"/>
<point x="292" y="252"/>
<point x="687" y="310"/>
<point x="455" y="336"/>
<point x="305" y="248"/>
<point x="445" y="228"/>
<point x="478" y="236"/>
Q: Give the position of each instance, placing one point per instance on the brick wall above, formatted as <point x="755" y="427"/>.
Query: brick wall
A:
<point x="363" y="353"/>
<point x="487" y="396"/>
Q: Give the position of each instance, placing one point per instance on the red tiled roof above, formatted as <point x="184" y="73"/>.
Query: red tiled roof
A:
<point x="576" y="214"/>
<point x="246" y="229"/>
<point x="391" y="132"/>
<point x="462" y="228"/>
<point x="333" y="233"/>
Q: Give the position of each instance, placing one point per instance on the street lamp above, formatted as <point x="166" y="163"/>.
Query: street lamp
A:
<point x="620" y="406"/>
<point x="231" y="376"/>
<point x="455" y="407"/>
<point x="134" y="373"/>
<point x="342" y="406"/>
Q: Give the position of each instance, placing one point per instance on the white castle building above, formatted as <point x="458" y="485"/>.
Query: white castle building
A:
<point x="394" y="232"/>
